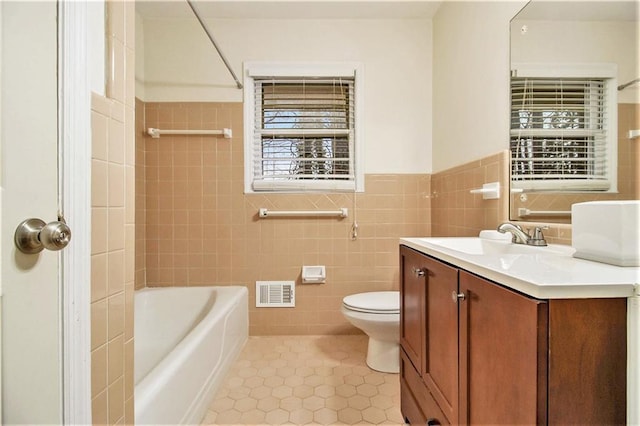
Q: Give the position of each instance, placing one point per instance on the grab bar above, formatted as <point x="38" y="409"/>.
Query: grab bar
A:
<point x="522" y="212"/>
<point x="155" y="133"/>
<point x="343" y="212"/>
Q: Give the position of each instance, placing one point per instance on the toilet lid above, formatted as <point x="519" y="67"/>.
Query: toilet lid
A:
<point x="380" y="302"/>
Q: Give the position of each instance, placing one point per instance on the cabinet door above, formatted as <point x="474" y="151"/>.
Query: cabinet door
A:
<point x="412" y="284"/>
<point x="503" y="355"/>
<point x="587" y="362"/>
<point x="440" y="362"/>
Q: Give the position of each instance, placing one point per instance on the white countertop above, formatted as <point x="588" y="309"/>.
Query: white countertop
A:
<point x="545" y="273"/>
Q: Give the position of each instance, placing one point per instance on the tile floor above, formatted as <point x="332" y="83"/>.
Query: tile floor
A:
<point x="305" y="380"/>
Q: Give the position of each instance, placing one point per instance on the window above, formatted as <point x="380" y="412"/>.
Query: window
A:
<point x="301" y="129"/>
<point x="563" y="133"/>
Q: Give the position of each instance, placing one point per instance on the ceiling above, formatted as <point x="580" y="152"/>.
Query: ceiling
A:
<point x="290" y="9"/>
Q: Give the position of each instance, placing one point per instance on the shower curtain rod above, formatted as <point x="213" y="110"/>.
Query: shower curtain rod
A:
<point x="624" y="86"/>
<point x="206" y="30"/>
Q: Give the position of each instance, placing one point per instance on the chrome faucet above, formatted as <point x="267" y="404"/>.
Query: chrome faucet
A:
<point x="520" y="236"/>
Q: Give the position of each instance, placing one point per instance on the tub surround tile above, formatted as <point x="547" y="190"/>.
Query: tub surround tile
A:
<point x="98" y="277"/>
<point x="99" y="408"/>
<point x="116" y="401"/>
<point x="116" y="359"/>
<point x="99" y="321"/>
<point x="99" y="370"/>
<point x="113" y="227"/>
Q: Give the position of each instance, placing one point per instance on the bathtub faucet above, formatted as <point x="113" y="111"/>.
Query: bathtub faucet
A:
<point x="520" y="236"/>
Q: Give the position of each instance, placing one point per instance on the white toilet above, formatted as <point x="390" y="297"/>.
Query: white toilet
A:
<point x="378" y="315"/>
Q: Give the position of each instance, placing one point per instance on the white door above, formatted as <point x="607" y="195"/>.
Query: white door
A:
<point x="31" y="301"/>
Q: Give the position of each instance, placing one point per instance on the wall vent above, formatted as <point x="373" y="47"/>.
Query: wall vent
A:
<point x="275" y="294"/>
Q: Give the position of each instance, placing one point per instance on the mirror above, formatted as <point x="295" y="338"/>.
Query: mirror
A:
<point x="565" y="34"/>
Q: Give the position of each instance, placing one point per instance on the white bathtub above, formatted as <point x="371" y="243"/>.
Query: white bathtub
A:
<point x="185" y="340"/>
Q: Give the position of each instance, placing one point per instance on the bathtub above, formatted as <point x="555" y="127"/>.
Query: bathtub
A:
<point x="185" y="340"/>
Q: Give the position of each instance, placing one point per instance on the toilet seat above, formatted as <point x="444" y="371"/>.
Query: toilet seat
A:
<point x="376" y="302"/>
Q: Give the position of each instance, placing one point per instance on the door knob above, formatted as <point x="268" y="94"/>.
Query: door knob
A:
<point x="34" y="235"/>
<point x="455" y="296"/>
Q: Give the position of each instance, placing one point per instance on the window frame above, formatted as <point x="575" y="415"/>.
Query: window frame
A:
<point x="255" y="70"/>
<point x="605" y="71"/>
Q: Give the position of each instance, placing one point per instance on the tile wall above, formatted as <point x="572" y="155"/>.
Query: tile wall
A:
<point x="113" y="229"/>
<point x="456" y="212"/>
<point x="628" y="151"/>
<point x="201" y="229"/>
<point x="140" y="198"/>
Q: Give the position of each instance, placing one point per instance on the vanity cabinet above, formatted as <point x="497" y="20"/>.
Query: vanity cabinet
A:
<point x="475" y="352"/>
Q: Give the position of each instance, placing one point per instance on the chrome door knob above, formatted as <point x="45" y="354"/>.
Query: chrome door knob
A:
<point x="55" y="235"/>
<point x="455" y="296"/>
<point x="33" y="235"/>
<point x="418" y="272"/>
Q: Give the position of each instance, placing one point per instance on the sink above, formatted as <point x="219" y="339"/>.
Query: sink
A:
<point x="484" y="247"/>
<point x="550" y="272"/>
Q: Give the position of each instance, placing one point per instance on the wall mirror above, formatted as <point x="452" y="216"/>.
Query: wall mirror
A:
<point x="551" y="41"/>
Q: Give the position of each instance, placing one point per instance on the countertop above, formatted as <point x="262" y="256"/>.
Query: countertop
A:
<point x="543" y="274"/>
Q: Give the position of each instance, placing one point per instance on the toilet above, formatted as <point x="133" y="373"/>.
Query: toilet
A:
<point x="378" y="315"/>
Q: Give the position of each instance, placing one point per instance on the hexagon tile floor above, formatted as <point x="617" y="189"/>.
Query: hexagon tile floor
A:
<point x="305" y="380"/>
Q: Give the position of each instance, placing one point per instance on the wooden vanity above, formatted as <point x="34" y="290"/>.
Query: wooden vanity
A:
<point x="475" y="351"/>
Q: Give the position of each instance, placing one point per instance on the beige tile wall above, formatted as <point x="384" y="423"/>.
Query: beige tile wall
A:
<point x="628" y="151"/>
<point x="113" y="230"/>
<point x="140" y="198"/>
<point x="201" y="229"/>
<point x="456" y="212"/>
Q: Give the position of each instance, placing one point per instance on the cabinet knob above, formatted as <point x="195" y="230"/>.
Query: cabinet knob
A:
<point x="455" y="296"/>
<point x="418" y="272"/>
<point x="433" y="422"/>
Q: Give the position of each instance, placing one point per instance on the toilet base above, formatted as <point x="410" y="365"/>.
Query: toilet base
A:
<point x="383" y="356"/>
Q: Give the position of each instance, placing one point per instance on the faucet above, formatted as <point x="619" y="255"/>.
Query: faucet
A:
<point x="520" y="236"/>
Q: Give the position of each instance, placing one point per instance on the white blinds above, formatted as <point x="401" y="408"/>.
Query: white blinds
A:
<point x="304" y="133"/>
<point x="559" y="133"/>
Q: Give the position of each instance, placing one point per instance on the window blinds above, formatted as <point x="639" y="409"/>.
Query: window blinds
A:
<point x="304" y="133"/>
<point x="559" y="133"/>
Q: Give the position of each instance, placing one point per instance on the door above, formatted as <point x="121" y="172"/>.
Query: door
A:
<point x="31" y="302"/>
<point x="503" y="355"/>
<point x="412" y="285"/>
<point x="440" y="363"/>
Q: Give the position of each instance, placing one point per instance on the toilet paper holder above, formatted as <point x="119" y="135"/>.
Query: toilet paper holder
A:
<point x="314" y="274"/>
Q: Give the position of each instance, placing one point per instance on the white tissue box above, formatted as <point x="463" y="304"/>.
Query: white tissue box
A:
<point x="607" y="231"/>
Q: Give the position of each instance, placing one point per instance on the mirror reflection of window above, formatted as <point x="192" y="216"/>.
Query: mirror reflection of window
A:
<point x="576" y="35"/>
<point x="561" y="133"/>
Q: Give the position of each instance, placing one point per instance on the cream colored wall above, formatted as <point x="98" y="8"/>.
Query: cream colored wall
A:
<point x="470" y="81"/>
<point x="611" y="42"/>
<point x="180" y="64"/>
<point x="471" y="61"/>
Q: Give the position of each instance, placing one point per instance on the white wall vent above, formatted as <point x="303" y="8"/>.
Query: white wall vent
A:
<point x="275" y="294"/>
